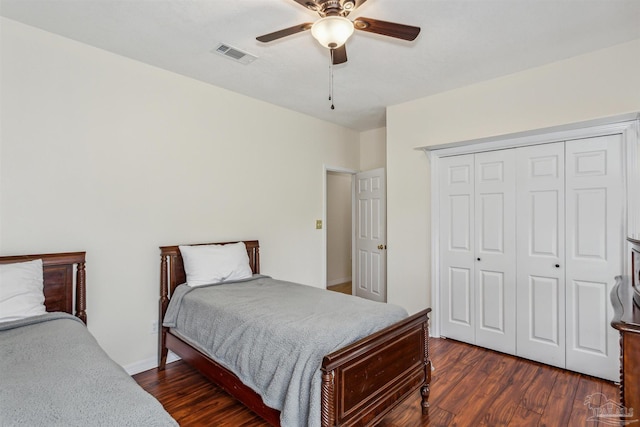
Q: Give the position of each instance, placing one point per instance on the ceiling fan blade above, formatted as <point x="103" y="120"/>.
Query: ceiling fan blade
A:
<point x="283" y="33"/>
<point x="339" y="55"/>
<point x="391" y="29"/>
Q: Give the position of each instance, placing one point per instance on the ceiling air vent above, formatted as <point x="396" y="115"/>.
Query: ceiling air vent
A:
<point x="234" y="54"/>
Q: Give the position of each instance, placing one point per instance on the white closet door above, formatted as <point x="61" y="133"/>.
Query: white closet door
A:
<point x="540" y="258"/>
<point x="495" y="244"/>
<point x="595" y="241"/>
<point x="457" y="248"/>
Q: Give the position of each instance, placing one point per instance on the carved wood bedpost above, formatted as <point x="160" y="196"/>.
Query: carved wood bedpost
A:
<point x="257" y="258"/>
<point x="162" y="309"/>
<point x="81" y="292"/>
<point x="328" y="399"/>
<point x="424" y="390"/>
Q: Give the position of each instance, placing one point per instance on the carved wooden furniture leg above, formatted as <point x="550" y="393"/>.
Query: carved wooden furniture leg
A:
<point x="424" y="392"/>
<point x="328" y="394"/>
<point x="81" y="292"/>
<point x="164" y="303"/>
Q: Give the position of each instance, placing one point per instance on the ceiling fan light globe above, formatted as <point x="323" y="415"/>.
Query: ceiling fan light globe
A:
<point x="332" y="31"/>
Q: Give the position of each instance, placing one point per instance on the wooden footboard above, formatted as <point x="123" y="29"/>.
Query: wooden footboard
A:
<point x="364" y="381"/>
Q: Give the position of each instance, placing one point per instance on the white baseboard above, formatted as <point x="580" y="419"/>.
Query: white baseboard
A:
<point x="338" y="281"/>
<point x="145" y="365"/>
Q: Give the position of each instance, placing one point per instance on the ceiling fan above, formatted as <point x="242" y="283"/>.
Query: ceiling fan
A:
<point x="334" y="28"/>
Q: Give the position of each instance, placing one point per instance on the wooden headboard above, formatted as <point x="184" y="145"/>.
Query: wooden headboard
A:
<point x="58" y="280"/>
<point x="172" y="275"/>
<point x="172" y="267"/>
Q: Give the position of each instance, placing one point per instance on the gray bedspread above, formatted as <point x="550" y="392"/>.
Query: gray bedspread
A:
<point x="273" y="335"/>
<point x="54" y="373"/>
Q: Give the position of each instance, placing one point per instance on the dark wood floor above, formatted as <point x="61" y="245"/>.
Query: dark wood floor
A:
<point x="345" y="288"/>
<point x="470" y="387"/>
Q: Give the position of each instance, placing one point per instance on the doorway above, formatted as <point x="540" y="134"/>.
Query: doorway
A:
<point x="339" y="230"/>
<point x="355" y="223"/>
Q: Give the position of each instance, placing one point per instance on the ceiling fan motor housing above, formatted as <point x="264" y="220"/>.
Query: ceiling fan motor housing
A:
<point x="332" y="7"/>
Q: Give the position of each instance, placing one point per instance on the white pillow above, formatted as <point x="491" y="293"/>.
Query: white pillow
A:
<point x="21" y="290"/>
<point x="208" y="264"/>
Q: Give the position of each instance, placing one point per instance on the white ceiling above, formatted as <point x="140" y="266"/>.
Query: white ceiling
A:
<point x="461" y="42"/>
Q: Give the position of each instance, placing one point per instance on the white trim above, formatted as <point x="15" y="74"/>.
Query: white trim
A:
<point x="354" y="261"/>
<point x="628" y="125"/>
<point x="591" y="128"/>
<point x="150" y="363"/>
<point x="340" y="170"/>
<point x="631" y="137"/>
<point x="435" y="246"/>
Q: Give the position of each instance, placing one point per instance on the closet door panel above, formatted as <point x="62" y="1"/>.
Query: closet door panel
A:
<point x="540" y="253"/>
<point x="459" y="301"/>
<point x="457" y="248"/>
<point x="595" y="242"/>
<point x="544" y="296"/>
<point x="495" y="250"/>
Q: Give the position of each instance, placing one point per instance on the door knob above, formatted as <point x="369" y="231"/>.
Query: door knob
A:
<point x="557" y="265"/>
<point x="382" y="247"/>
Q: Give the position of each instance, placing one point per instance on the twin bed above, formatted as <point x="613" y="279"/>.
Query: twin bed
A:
<point x="295" y="355"/>
<point x="52" y="370"/>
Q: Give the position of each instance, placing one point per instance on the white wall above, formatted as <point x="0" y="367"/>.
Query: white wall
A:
<point x="595" y="85"/>
<point x="108" y="155"/>
<point x="338" y="228"/>
<point x="373" y="149"/>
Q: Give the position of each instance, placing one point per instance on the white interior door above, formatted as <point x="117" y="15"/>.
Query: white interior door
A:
<point x="457" y="296"/>
<point x="371" y="245"/>
<point x="495" y="250"/>
<point x="540" y="253"/>
<point x="595" y="242"/>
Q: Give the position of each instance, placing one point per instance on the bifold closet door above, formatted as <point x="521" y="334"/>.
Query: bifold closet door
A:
<point x="540" y="253"/>
<point x="477" y="249"/>
<point x="457" y="296"/>
<point x="594" y="252"/>
<point x="495" y="253"/>
<point x="570" y="228"/>
<point x="531" y="239"/>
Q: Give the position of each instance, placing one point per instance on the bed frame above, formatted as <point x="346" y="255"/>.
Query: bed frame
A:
<point x="361" y="383"/>
<point x="58" y="278"/>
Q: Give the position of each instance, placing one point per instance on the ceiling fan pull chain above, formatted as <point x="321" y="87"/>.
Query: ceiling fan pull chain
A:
<point x="331" y="81"/>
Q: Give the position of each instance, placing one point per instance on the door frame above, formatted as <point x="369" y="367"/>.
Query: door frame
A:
<point x="352" y="172"/>
<point x="628" y="125"/>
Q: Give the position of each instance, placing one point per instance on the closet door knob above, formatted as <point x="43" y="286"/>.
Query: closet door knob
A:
<point x="478" y="259"/>
<point x="557" y="265"/>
